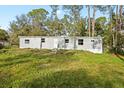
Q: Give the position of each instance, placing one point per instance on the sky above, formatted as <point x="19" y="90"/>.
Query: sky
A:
<point x="8" y="13"/>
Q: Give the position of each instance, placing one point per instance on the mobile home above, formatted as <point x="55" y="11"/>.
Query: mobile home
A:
<point x="92" y="44"/>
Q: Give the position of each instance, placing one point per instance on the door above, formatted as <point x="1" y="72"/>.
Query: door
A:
<point x="55" y="43"/>
<point x="42" y="41"/>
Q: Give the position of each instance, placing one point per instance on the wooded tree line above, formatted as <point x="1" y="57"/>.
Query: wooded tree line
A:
<point x="40" y="22"/>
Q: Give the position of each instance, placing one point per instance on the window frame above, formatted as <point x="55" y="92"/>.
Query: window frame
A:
<point x="92" y="40"/>
<point x="43" y="40"/>
<point x="80" y="41"/>
<point x="27" y="41"/>
<point x="66" y="40"/>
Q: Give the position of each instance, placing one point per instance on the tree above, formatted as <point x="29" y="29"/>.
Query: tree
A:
<point x="38" y="15"/>
<point x="89" y="22"/>
<point x="54" y="8"/>
<point x="74" y="11"/>
<point x="29" y="24"/>
<point x="55" y="24"/>
<point x="3" y="35"/>
<point x="74" y="15"/>
<point x="116" y="27"/>
<point x="120" y="13"/>
<point x="100" y="25"/>
<point x="110" y="11"/>
<point x="37" y="18"/>
<point x="67" y="26"/>
<point x="109" y="27"/>
<point x="55" y="27"/>
<point x="118" y="37"/>
<point x="80" y="27"/>
<point x="93" y="21"/>
<point x="102" y="9"/>
<point x="112" y="37"/>
<point x="20" y="26"/>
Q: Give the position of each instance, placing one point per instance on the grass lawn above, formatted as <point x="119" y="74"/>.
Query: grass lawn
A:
<point x="43" y="68"/>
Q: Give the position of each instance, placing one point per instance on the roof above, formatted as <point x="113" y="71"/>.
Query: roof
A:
<point x="58" y="36"/>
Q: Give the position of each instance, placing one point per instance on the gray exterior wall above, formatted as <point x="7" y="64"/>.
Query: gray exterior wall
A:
<point x="34" y="42"/>
<point x="93" y="44"/>
<point x="88" y="45"/>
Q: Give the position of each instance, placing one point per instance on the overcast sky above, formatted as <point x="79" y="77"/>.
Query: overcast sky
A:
<point x="8" y="13"/>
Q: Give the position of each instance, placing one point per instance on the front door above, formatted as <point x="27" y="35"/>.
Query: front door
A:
<point x="42" y="41"/>
<point x="55" y="43"/>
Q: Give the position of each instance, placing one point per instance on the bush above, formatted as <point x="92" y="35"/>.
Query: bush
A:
<point x="7" y="47"/>
<point x="1" y="46"/>
<point x="117" y="51"/>
<point x="3" y="51"/>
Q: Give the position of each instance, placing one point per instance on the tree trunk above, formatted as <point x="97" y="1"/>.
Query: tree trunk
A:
<point x="93" y="20"/>
<point x="89" y="20"/>
<point x="111" y="11"/>
<point x="116" y="18"/>
<point x="111" y="18"/>
<point x="116" y="33"/>
<point x="120" y="19"/>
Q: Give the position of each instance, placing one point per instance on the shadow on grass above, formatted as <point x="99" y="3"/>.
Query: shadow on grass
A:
<point x="60" y="56"/>
<point x="5" y="80"/>
<point x="15" y="63"/>
<point x="70" y="79"/>
<point x="120" y="57"/>
<point x="15" y="60"/>
<point x="28" y="57"/>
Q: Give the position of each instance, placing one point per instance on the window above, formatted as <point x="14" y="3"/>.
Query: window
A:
<point x="27" y="41"/>
<point x="66" y="40"/>
<point x="92" y="40"/>
<point x="80" y="41"/>
<point x="42" y="40"/>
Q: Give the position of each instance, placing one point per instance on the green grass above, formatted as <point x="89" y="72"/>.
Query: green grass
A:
<point x="44" y="68"/>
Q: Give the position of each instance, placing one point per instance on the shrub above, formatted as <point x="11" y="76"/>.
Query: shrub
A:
<point x="117" y="51"/>
<point x="3" y="51"/>
<point x="1" y="46"/>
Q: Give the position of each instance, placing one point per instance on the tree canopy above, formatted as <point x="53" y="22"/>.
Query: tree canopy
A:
<point x="73" y="23"/>
<point x="3" y="35"/>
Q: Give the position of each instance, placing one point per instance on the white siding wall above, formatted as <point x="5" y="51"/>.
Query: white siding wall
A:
<point x="95" y="47"/>
<point x="70" y="45"/>
<point x="49" y="43"/>
<point x="33" y="42"/>
<point x="86" y="44"/>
